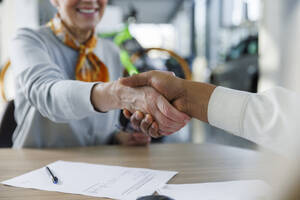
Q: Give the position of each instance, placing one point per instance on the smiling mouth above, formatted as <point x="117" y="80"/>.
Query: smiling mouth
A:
<point x="87" y="10"/>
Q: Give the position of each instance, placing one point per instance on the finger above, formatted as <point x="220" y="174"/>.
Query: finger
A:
<point x="165" y="124"/>
<point x="146" y="123"/>
<point x="136" y="119"/>
<point x="136" y="80"/>
<point x="168" y="72"/>
<point x="172" y="113"/>
<point x="142" y="79"/>
<point x="127" y="114"/>
<point x="153" y="130"/>
<point x="171" y="127"/>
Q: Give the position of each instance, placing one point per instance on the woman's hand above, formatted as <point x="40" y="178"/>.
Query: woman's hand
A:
<point x="143" y="123"/>
<point x="145" y="99"/>
<point x="132" y="139"/>
<point x="189" y="97"/>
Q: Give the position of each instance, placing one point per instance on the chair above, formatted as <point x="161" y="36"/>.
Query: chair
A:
<point x="7" y="125"/>
<point x="7" y="119"/>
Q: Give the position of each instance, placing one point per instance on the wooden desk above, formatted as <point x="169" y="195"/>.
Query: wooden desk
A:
<point x="195" y="164"/>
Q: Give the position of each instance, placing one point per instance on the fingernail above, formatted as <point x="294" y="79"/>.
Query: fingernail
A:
<point x="139" y="116"/>
<point x="153" y="126"/>
<point x="148" y="120"/>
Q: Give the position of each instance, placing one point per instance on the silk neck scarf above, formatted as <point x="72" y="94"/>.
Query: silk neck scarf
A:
<point x="89" y="67"/>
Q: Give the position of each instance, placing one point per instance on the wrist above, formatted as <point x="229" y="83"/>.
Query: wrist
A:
<point x="103" y="97"/>
<point x="197" y="99"/>
<point x="180" y="101"/>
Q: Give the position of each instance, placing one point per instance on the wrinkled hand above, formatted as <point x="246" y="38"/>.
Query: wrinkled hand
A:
<point x="132" y="139"/>
<point x="143" y="123"/>
<point x="115" y="95"/>
<point x="147" y="100"/>
<point x="165" y="83"/>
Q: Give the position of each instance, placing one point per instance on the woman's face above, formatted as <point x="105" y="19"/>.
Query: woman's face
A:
<point x="80" y="14"/>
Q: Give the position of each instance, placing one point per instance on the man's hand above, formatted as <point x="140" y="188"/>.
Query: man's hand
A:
<point x="149" y="101"/>
<point x="143" y="123"/>
<point x="189" y="97"/>
<point x="166" y="83"/>
<point x="146" y="99"/>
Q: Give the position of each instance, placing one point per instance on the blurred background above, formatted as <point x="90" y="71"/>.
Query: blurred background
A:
<point x="241" y="44"/>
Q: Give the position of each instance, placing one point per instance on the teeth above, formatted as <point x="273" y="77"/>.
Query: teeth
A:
<point x="87" y="11"/>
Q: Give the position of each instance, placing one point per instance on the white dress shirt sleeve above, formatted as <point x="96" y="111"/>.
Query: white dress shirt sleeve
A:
<point x="269" y="118"/>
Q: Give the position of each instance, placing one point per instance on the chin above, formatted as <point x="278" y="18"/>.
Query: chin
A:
<point x="88" y="27"/>
<point x="87" y="24"/>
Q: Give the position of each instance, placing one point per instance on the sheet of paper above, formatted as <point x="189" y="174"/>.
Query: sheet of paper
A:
<point x="95" y="180"/>
<point x="234" y="190"/>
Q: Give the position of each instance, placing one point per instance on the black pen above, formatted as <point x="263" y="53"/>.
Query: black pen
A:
<point x="54" y="178"/>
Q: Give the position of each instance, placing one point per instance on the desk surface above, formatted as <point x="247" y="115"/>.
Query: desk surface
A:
<point x="195" y="164"/>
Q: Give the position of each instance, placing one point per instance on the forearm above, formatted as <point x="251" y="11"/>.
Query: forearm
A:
<point x="266" y="118"/>
<point x="56" y="99"/>
<point x="197" y="99"/>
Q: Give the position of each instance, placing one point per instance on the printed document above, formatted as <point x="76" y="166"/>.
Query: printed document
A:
<point x="95" y="180"/>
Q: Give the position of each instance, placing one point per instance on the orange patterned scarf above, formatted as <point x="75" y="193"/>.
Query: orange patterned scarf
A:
<point x="89" y="67"/>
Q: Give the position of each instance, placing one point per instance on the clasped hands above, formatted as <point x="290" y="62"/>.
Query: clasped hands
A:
<point x="155" y="102"/>
<point x="171" y="102"/>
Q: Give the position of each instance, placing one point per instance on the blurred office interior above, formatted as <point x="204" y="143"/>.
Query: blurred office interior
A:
<point x="240" y="44"/>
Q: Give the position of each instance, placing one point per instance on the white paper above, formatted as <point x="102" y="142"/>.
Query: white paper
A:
<point x="234" y="190"/>
<point x="95" y="180"/>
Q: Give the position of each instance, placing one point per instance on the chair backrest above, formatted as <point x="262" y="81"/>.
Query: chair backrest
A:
<point x="2" y="79"/>
<point x="7" y="125"/>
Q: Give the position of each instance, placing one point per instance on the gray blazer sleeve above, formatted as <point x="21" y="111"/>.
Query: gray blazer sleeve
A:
<point x="42" y="82"/>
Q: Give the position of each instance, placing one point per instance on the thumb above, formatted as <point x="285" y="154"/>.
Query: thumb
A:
<point x="137" y="80"/>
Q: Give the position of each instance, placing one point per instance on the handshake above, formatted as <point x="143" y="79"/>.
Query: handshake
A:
<point x="157" y="103"/>
<point x="167" y="104"/>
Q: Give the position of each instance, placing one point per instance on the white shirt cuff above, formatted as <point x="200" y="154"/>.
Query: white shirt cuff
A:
<point x="226" y="109"/>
